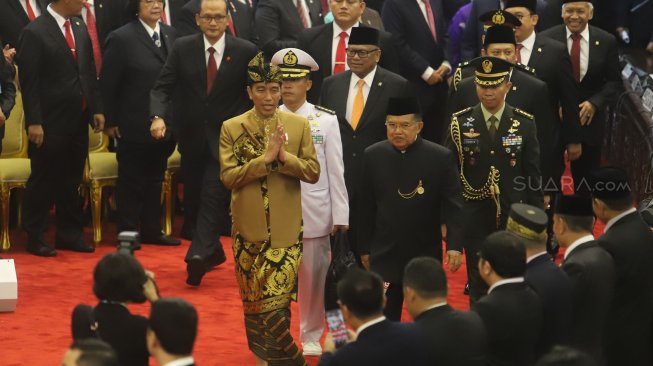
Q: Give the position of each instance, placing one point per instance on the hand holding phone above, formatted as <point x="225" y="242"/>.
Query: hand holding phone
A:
<point x="337" y="327"/>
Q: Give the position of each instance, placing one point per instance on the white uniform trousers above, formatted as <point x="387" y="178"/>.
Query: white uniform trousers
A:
<point x="316" y="256"/>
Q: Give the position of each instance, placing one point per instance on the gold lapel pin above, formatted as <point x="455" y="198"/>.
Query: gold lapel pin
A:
<point x="539" y="50"/>
<point x="100" y="5"/>
<point x="77" y="23"/>
<point x="596" y="43"/>
<point x="380" y="83"/>
<point x="514" y="88"/>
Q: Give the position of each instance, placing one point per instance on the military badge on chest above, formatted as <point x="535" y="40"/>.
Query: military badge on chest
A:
<point x="316" y="132"/>
<point x="512" y="143"/>
<point x="470" y="141"/>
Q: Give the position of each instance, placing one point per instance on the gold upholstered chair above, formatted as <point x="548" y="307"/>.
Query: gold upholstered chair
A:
<point x="101" y="171"/>
<point x="168" y="191"/>
<point x="14" y="167"/>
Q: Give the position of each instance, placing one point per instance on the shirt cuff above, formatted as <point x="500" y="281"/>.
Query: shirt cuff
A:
<point x="427" y="74"/>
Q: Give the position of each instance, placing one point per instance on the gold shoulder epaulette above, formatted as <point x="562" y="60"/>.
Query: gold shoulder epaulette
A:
<point x="523" y="113"/>
<point x="330" y="111"/>
<point x="463" y="111"/>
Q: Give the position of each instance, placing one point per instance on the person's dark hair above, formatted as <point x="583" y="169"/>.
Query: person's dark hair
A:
<point x="174" y="321"/>
<point x="618" y="204"/>
<point x="426" y="276"/>
<point x="565" y="356"/>
<point x="362" y="292"/>
<point x="506" y="254"/>
<point x="94" y="352"/>
<point x="579" y="224"/>
<point x="119" y="277"/>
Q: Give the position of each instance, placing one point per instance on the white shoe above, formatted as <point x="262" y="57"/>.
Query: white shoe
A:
<point x="311" y="349"/>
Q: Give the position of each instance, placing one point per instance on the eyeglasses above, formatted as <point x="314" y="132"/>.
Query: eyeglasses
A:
<point x="402" y="126"/>
<point x="152" y="2"/>
<point x="217" y="18"/>
<point x="360" y="53"/>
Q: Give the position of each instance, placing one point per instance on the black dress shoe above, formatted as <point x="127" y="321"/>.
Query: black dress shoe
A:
<point x="214" y="260"/>
<point x="161" y="240"/>
<point x="196" y="270"/>
<point x="41" y="250"/>
<point x="78" y="247"/>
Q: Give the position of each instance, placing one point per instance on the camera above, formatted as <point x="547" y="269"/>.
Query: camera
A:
<point x="128" y="242"/>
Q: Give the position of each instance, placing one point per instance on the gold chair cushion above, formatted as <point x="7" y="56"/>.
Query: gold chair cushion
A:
<point x="174" y="161"/>
<point x="103" y="165"/>
<point x="14" y="170"/>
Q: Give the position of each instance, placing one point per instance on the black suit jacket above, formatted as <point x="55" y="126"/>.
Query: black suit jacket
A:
<point x="529" y="94"/>
<point x="109" y="16"/>
<point x="592" y="274"/>
<point x="384" y="343"/>
<point x="126" y="81"/>
<point x="124" y="332"/>
<point x="7" y="93"/>
<point x="175" y="11"/>
<point x="199" y="116"/>
<point x="471" y="43"/>
<point x="393" y="230"/>
<point x="512" y="314"/>
<point x="242" y="17"/>
<point x="601" y="83"/>
<point x="318" y="42"/>
<point x="551" y="63"/>
<point x="54" y="84"/>
<point x="628" y="332"/>
<point x="13" y="19"/>
<point x="278" y="24"/>
<point x="371" y="127"/>
<point x="419" y="50"/>
<point x="554" y="289"/>
<point x="455" y="338"/>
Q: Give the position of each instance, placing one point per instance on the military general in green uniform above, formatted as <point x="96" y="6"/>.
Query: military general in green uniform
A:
<point x="498" y="157"/>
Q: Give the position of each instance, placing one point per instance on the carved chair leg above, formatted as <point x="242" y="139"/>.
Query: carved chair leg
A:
<point x="166" y="193"/>
<point x="19" y="202"/>
<point x="5" y="194"/>
<point x="96" y="202"/>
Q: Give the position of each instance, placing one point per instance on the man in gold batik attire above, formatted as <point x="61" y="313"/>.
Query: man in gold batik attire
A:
<point x="264" y="154"/>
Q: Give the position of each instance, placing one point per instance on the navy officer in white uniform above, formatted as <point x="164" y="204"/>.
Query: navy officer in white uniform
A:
<point x="325" y="206"/>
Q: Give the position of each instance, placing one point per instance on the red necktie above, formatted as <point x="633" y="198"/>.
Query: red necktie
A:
<point x="519" y="47"/>
<point x="69" y="39"/>
<point x="340" y="54"/>
<point x="231" y="26"/>
<point x="211" y="70"/>
<point x="92" y="33"/>
<point x="429" y="16"/>
<point x="164" y="18"/>
<point x="300" y="12"/>
<point x="575" y="55"/>
<point x="30" y="11"/>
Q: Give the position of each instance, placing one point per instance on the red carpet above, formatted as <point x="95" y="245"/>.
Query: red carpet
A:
<point x="48" y="288"/>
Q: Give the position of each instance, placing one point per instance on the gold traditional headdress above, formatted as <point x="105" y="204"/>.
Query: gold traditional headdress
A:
<point x="259" y="71"/>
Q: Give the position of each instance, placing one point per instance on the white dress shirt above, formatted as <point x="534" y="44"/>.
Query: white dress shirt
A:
<point x="577" y="243"/>
<point x="151" y="31"/>
<point x="353" y="90"/>
<point x="612" y="221"/>
<point x="584" y="49"/>
<point x="219" y="50"/>
<point x="369" y="324"/>
<point x="529" y="259"/>
<point x="35" y="6"/>
<point x="505" y="282"/>
<point x="60" y="22"/>
<point x="336" y="39"/>
<point x="527" y="49"/>
<point x="181" y="362"/>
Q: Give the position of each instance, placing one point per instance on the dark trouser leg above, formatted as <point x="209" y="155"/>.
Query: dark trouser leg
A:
<point x="394" y="302"/>
<point x="589" y="160"/>
<point x="206" y="240"/>
<point x="69" y="217"/>
<point x="479" y="222"/>
<point x="39" y="193"/>
<point x="192" y="170"/>
<point x="129" y="186"/>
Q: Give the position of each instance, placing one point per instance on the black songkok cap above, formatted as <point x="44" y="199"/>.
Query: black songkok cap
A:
<point x="402" y="106"/>
<point x="573" y="205"/>
<point x="499" y="17"/>
<point x="499" y="34"/>
<point x="527" y="221"/>
<point x="490" y="71"/>
<point x="528" y="4"/>
<point x="609" y="183"/>
<point x="364" y="36"/>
